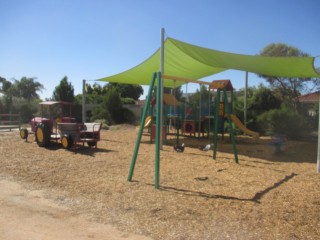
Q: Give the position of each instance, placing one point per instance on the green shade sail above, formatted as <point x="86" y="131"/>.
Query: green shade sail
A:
<point x="193" y="62"/>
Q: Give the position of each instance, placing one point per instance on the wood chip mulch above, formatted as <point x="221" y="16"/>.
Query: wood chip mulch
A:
<point x="265" y="196"/>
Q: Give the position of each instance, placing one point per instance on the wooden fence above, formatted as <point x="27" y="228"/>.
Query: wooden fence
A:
<point x="10" y="121"/>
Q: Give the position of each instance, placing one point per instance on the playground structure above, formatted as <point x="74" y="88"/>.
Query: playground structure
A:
<point x="190" y="120"/>
<point x="190" y="61"/>
<point x="222" y="111"/>
<point x="171" y="117"/>
<point x="57" y="124"/>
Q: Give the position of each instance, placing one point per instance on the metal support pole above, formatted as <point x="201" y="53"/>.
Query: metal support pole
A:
<point x="318" y="158"/>
<point x="245" y="100"/>
<point x="216" y="123"/>
<point x="209" y="113"/>
<point x="83" y="100"/>
<point x="231" y="131"/>
<point x="143" y="118"/>
<point x="161" y="80"/>
<point x="158" y="134"/>
<point x="199" y="119"/>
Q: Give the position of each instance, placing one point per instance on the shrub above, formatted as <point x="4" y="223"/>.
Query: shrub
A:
<point x="112" y="110"/>
<point x="113" y="105"/>
<point x="99" y="112"/>
<point x="128" y="116"/>
<point x="283" y="121"/>
<point x="128" y="101"/>
<point x="104" y="124"/>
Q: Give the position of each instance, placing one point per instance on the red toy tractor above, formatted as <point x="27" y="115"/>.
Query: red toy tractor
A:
<point x="56" y="124"/>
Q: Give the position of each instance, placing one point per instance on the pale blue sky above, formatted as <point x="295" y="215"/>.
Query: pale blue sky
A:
<point x="91" y="39"/>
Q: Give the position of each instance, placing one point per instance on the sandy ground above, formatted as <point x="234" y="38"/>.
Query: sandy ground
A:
<point x="27" y="214"/>
<point x="265" y="196"/>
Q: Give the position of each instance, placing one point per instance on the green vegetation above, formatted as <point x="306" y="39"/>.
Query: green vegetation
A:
<point x="64" y="91"/>
<point x="270" y="110"/>
<point x="20" y="96"/>
<point x="269" y="114"/>
<point x="288" y="88"/>
<point x="112" y="110"/>
<point x="284" y="121"/>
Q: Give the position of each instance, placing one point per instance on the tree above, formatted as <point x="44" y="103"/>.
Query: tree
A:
<point x="127" y="90"/>
<point x="2" y="81"/>
<point x="259" y="100"/>
<point x="263" y="100"/>
<point x="204" y="93"/>
<point x="112" y="103"/>
<point x="19" y="95"/>
<point x="64" y="91"/>
<point x="288" y="89"/>
<point x="6" y="86"/>
<point x="111" y="109"/>
<point x="27" y="88"/>
<point x="284" y="121"/>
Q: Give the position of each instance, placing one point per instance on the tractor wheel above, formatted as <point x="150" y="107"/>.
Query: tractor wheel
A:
<point x="42" y="135"/>
<point x="66" y="141"/>
<point x="23" y="133"/>
<point x="92" y="144"/>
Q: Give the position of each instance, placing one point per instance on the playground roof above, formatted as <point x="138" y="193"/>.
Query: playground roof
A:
<point x="219" y="84"/>
<point x="193" y="62"/>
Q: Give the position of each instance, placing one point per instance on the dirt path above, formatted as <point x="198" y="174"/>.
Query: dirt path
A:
<point x="26" y="214"/>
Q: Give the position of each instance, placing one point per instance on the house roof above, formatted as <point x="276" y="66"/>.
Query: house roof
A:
<point x="310" y="98"/>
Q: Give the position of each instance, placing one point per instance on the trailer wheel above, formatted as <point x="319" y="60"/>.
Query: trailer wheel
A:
<point x="42" y="135"/>
<point x="92" y="144"/>
<point x="66" y="141"/>
<point x="23" y="133"/>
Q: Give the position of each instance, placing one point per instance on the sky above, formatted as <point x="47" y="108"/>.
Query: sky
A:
<point x="91" y="39"/>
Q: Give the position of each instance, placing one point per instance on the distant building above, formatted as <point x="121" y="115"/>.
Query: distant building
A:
<point x="310" y="100"/>
<point x="310" y="97"/>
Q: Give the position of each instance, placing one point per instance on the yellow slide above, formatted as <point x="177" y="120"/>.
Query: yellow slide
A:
<point x="147" y="122"/>
<point x="242" y="127"/>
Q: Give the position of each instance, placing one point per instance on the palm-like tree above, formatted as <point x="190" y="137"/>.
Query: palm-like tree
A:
<point x="27" y="88"/>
